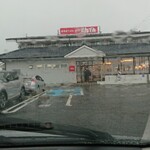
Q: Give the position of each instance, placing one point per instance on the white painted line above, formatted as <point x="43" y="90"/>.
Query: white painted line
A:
<point x="18" y="108"/>
<point x="15" y="110"/>
<point x="45" y="105"/>
<point x="146" y="134"/>
<point x="81" y="92"/>
<point x="25" y="101"/>
<point x="23" y="104"/>
<point x="69" y="101"/>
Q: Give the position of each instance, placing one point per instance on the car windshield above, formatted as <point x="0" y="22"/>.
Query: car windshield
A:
<point x="79" y="66"/>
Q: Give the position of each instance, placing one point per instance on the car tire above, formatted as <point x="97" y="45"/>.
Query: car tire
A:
<point x="3" y="99"/>
<point x="33" y="93"/>
<point x="22" y="94"/>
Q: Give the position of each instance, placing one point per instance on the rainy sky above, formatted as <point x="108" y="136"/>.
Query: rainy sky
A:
<point x="19" y="18"/>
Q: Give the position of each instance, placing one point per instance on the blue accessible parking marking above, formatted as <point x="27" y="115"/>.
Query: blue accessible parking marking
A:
<point x="65" y="92"/>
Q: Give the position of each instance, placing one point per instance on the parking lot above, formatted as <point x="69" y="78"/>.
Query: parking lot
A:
<point x="118" y="110"/>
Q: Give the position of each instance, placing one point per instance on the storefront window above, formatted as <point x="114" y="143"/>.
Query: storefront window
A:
<point x="52" y="66"/>
<point x="55" y="66"/>
<point x="111" y="65"/>
<point x="142" y="65"/>
<point x="39" y="66"/>
<point x="126" y="66"/>
<point x="49" y="66"/>
<point x="94" y="67"/>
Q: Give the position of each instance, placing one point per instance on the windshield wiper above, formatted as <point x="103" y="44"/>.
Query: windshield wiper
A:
<point x="62" y="134"/>
<point x="66" y="130"/>
<point x="56" y="133"/>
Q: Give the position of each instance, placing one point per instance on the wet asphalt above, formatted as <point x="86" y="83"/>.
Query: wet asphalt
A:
<point x="116" y="109"/>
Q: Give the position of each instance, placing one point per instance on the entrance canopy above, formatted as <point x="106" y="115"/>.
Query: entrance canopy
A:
<point x="85" y="51"/>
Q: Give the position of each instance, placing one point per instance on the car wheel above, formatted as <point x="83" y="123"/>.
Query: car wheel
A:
<point x="22" y="94"/>
<point x="3" y="100"/>
<point x="33" y="93"/>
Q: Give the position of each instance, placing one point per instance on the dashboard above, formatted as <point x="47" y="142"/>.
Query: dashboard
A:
<point x="77" y="148"/>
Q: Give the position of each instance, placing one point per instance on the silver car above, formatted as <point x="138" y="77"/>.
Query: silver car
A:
<point x="11" y="86"/>
<point x="34" y="85"/>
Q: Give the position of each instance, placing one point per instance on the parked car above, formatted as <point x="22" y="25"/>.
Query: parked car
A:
<point x="34" y="84"/>
<point x="11" y="86"/>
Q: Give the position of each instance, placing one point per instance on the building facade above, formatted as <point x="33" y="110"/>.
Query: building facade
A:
<point x="66" y="69"/>
<point x="65" y="61"/>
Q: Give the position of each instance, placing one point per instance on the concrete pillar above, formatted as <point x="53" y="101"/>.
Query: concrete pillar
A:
<point x="147" y="78"/>
<point x="134" y="64"/>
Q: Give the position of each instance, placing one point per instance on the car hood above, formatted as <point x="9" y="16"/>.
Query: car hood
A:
<point x="59" y="134"/>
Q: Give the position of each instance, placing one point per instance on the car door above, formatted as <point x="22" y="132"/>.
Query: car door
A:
<point x="17" y="82"/>
<point x="13" y="84"/>
<point x="9" y="85"/>
<point x="42" y="82"/>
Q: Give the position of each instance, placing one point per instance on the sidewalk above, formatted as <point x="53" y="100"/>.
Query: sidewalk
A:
<point x="125" y="79"/>
<point x="53" y="85"/>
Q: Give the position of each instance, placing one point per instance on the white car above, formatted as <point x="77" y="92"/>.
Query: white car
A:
<point x="11" y="86"/>
<point x="34" y="85"/>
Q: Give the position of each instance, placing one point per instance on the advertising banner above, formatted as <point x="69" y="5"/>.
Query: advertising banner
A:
<point x="79" y="30"/>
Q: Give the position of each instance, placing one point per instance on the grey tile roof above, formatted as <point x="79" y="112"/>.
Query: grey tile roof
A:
<point x="120" y="49"/>
<point x="58" y="52"/>
<point x="52" y="52"/>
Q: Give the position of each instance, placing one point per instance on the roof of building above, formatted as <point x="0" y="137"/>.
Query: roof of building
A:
<point x="59" y="52"/>
<point x="124" y="49"/>
<point x="101" y="38"/>
<point x="43" y="52"/>
<point x="76" y="36"/>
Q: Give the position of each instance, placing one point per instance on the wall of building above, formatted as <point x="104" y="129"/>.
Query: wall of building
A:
<point x="52" y="71"/>
<point x="125" y="79"/>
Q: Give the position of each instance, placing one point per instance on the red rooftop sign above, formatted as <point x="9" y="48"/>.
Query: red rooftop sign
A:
<point x="79" y="30"/>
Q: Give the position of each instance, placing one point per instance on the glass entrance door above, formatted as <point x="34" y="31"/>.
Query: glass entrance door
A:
<point x="93" y="66"/>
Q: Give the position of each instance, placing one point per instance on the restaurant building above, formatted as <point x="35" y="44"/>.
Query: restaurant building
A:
<point x="63" y="58"/>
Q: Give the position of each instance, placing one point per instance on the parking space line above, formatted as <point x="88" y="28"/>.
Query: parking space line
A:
<point x="146" y="134"/>
<point x="44" y="105"/>
<point x="69" y="100"/>
<point x="17" y="107"/>
<point x="81" y="92"/>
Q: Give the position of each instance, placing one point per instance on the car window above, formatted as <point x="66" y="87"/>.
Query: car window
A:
<point x="2" y="76"/>
<point x="15" y="76"/>
<point x="9" y="76"/>
<point x="38" y="78"/>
